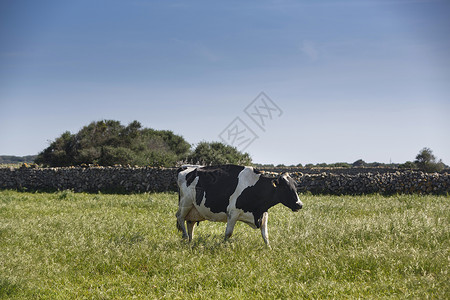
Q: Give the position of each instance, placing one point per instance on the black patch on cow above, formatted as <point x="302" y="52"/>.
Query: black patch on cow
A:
<point x="199" y="192"/>
<point x="219" y="183"/>
<point x="190" y="177"/>
<point x="258" y="198"/>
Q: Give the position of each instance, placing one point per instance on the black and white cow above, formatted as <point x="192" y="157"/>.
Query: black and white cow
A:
<point x="231" y="193"/>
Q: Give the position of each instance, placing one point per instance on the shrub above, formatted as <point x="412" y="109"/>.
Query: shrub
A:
<point x="408" y="165"/>
<point x="216" y="153"/>
<point x="426" y="161"/>
<point x="107" y="143"/>
<point x="359" y="163"/>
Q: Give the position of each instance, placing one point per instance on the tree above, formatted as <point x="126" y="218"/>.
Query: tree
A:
<point x="426" y="161"/>
<point x="359" y="163"/>
<point x="340" y="165"/>
<point x="408" y="165"/>
<point x="216" y="153"/>
<point x="61" y="152"/>
<point x="107" y="143"/>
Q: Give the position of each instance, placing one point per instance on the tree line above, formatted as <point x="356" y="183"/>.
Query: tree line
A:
<point x="425" y="161"/>
<point x="109" y="143"/>
<point x="12" y="159"/>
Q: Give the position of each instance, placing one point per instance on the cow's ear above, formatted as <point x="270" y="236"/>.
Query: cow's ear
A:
<point x="275" y="182"/>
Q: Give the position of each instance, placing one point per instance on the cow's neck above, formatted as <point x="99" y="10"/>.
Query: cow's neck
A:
<point x="269" y="195"/>
<point x="266" y="198"/>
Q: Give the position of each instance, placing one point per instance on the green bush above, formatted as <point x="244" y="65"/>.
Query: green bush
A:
<point x="408" y="165"/>
<point x="216" y="153"/>
<point x="427" y="162"/>
<point x="108" y="143"/>
<point x="341" y="165"/>
<point x="359" y="163"/>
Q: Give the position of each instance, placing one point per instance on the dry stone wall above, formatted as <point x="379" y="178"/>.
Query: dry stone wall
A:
<point x="345" y="171"/>
<point x="405" y="182"/>
<point x="91" y="179"/>
<point x="137" y="180"/>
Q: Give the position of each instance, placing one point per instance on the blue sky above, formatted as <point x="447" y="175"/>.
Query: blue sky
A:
<point x="353" y="78"/>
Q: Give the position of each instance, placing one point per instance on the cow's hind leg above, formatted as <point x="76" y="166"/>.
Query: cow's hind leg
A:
<point x="190" y="229"/>
<point x="181" y="215"/>
<point x="231" y="222"/>
<point x="191" y="218"/>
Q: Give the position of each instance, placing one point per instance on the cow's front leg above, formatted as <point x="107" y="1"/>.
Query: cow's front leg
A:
<point x="264" y="231"/>
<point x="231" y="222"/>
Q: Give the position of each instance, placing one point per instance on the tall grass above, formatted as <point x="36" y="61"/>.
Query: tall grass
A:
<point x="66" y="245"/>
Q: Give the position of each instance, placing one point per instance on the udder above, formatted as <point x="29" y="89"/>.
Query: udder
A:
<point x="194" y="216"/>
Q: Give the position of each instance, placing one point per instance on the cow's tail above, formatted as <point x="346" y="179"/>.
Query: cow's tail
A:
<point x="178" y="212"/>
<point x="179" y="199"/>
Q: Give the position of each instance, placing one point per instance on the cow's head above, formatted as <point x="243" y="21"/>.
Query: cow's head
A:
<point x="286" y="192"/>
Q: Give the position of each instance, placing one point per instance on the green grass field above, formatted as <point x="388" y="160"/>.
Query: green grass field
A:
<point x="73" y="246"/>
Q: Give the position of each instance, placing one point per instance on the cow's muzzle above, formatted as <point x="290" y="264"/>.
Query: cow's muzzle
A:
<point x="297" y="207"/>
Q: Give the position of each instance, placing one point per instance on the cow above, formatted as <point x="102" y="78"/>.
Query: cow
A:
<point x="231" y="193"/>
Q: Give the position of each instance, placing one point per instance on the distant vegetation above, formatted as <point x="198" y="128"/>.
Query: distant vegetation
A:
<point x="109" y="143"/>
<point x="425" y="161"/>
<point x="11" y="159"/>
<point x="216" y="154"/>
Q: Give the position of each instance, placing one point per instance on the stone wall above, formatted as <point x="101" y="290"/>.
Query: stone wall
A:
<point x="135" y="180"/>
<point x="90" y="179"/>
<point x="405" y="182"/>
<point x="345" y="171"/>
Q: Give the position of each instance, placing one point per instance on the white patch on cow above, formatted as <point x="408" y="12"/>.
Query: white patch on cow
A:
<point x="191" y="166"/>
<point x="264" y="231"/>
<point x="182" y="177"/>
<point x="299" y="202"/>
<point x="247" y="177"/>
<point x="187" y="193"/>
